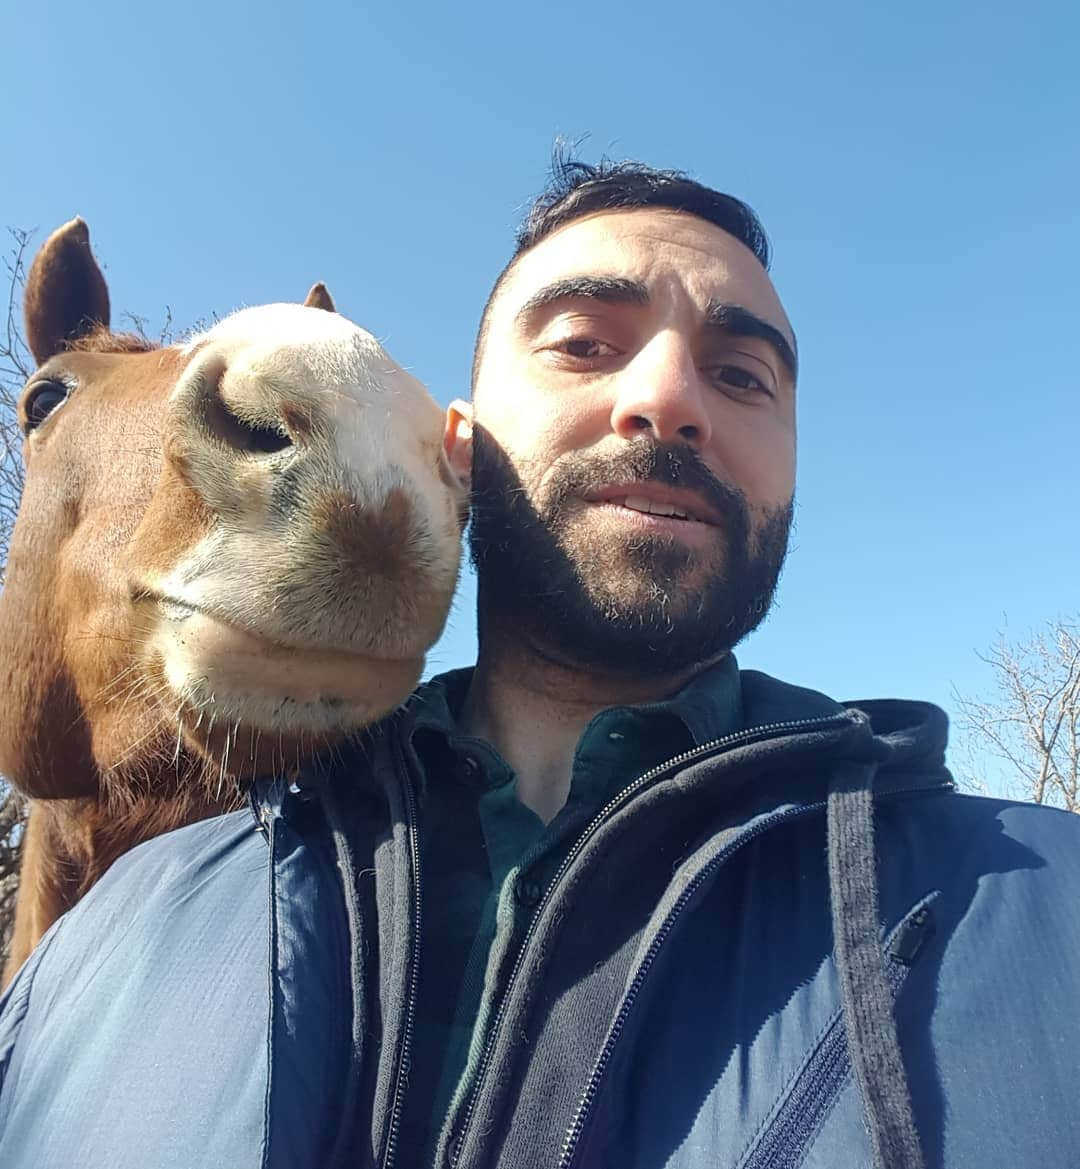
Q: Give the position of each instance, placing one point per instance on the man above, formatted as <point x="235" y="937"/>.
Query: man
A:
<point x="604" y="900"/>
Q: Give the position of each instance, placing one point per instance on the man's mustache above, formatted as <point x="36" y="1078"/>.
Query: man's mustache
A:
<point x="642" y="460"/>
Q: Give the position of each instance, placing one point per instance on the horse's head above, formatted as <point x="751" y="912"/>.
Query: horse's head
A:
<point x="243" y="545"/>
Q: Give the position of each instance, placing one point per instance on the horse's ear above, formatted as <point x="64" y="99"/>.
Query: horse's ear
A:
<point x="66" y="296"/>
<point x="318" y="297"/>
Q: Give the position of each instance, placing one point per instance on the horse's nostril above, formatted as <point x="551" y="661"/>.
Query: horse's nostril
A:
<point x="262" y="440"/>
<point x="236" y="424"/>
<point x="243" y="434"/>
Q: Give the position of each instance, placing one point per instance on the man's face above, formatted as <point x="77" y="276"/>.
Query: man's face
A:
<point x="634" y="443"/>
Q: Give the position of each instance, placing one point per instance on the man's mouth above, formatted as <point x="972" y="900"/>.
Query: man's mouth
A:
<point x="657" y="500"/>
<point x="650" y="506"/>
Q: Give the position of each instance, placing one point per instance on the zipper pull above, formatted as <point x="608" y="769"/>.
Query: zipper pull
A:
<point x="912" y="935"/>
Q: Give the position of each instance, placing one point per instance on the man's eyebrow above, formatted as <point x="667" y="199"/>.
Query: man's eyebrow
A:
<point x="609" y="289"/>
<point x="740" y="322"/>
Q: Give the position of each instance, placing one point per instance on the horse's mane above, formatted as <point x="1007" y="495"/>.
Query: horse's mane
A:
<point x="104" y="340"/>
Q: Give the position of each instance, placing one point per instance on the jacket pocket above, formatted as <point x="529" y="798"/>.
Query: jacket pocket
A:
<point x="788" y="1132"/>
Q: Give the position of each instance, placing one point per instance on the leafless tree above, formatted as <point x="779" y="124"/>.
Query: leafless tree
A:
<point x="1031" y="723"/>
<point x="12" y="823"/>
<point x="15" y="367"/>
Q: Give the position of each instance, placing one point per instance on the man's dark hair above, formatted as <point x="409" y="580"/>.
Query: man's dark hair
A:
<point x="577" y="189"/>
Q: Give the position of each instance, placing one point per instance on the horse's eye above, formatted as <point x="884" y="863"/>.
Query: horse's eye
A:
<point x="41" y="400"/>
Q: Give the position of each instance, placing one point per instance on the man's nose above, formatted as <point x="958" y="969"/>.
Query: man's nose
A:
<point x="661" y="391"/>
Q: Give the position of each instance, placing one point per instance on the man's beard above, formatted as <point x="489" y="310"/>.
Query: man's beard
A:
<point x="619" y="602"/>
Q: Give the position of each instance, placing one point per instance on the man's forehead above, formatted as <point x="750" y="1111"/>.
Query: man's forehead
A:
<point x="651" y="246"/>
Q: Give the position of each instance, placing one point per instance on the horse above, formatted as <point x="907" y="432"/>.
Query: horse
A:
<point x="230" y="554"/>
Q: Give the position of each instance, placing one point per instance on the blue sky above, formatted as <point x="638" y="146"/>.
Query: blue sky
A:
<point x="917" y="170"/>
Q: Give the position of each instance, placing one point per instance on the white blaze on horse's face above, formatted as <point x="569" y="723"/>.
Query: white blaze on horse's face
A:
<point x="331" y="534"/>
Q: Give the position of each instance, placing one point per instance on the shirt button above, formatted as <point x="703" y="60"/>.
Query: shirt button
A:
<point x="304" y="794"/>
<point x="527" y="892"/>
<point x="615" y="736"/>
<point x="470" y="768"/>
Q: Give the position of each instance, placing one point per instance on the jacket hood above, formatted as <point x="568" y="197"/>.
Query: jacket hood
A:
<point x="909" y="737"/>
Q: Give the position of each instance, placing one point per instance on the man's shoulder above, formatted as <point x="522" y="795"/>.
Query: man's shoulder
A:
<point x="999" y="868"/>
<point x="219" y="843"/>
<point x="157" y="913"/>
<point x="974" y="829"/>
<point x="170" y="876"/>
<point x="1030" y="822"/>
<point x="1051" y="836"/>
<point x="170" y="946"/>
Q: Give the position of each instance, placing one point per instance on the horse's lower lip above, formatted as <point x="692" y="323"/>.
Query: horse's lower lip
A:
<point x="258" y="683"/>
<point x="177" y="612"/>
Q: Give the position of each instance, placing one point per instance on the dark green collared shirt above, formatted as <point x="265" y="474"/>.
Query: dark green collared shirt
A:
<point x="486" y="858"/>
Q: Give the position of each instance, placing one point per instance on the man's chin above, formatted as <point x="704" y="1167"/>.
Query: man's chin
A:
<point x="641" y="608"/>
<point x="646" y="583"/>
<point x="630" y="571"/>
<point x="623" y="634"/>
<point x="640" y="657"/>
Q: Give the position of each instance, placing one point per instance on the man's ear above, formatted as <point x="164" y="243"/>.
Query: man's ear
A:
<point x="457" y="440"/>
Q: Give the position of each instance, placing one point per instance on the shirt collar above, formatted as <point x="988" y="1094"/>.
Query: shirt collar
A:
<point x="709" y="706"/>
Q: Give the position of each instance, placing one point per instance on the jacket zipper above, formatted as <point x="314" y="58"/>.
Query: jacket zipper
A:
<point x="577" y="1124"/>
<point x="769" y="731"/>
<point x="405" y="1053"/>
<point x="784" y="1143"/>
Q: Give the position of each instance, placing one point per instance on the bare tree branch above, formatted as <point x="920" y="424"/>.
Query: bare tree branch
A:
<point x="16" y="365"/>
<point x="12" y="823"/>
<point x="1032" y="721"/>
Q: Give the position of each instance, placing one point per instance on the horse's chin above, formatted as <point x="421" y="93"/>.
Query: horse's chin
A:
<point x="259" y="705"/>
<point x="241" y="753"/>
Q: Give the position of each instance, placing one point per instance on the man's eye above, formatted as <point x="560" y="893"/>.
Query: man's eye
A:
<point x="737" y="378"/>
<point x="584" y="348"/>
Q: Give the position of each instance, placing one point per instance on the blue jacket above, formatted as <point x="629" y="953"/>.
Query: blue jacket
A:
<point x="240" y="993"/>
